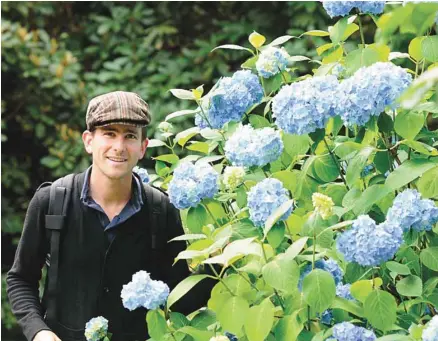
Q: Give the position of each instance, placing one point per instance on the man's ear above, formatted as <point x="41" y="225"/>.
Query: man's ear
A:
<point x="87" y="138"/>
<point x="144" y="145"/>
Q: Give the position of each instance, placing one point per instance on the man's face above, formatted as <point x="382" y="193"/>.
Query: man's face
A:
<point x="116" y="149"/>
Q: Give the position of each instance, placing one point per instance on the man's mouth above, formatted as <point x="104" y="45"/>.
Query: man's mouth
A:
<point x="117" y="159"/>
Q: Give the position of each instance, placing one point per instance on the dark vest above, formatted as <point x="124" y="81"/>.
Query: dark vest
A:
<point x="92" y="271"/>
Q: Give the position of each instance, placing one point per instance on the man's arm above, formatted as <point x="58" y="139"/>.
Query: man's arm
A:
<point x="198" y="296"/>
<point x="23" y="278"/>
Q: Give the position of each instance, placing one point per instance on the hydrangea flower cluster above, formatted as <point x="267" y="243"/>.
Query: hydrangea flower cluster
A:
<point x="192" y="183"/>
<point x="233" y="177"/>
<point x="264" y="198"/>
<point x="369" y="244"/>
<point x="343" y="290"/>
<point x="343" y="8"/>
<point x="430" y="333"/>
<point x="253" y="147"/>
<point x="369" y="91"/>
<point x="329" y="265"/>
<point x="302" y="107"/>
<point x="229" y="100"/>
<point x="142" y="173"/>
<point x="271" y="61"/>
<point x="323" y="205"/>
<point x="366" y="170"/>
<point x="145" y="292"/>
<point x="96" y="329"/>
<point x="409" y="210"/>
<point x="326" y="317"/>
<point x="347" y="331"/>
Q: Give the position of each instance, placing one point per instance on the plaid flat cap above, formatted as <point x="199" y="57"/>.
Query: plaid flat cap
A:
<point x="118" y="107"/>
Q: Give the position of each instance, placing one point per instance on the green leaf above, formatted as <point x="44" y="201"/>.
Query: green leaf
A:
<point x="380" y="309"/>
<point x="287" y="178"/>
<point x="401" y="269"/>
<point x="157" y="325"/>
<point x="183" y="287"/>
<point x="232" y="47"/>
<point x="196" y="334"/>
<point x="334" y="56"/>
<point x="188" y="237"/>
<point x="361" y="57"/>
<point x="197" y="217"/>
<point x="347" y="305"/>
<point x="319" y="290"/>
<point x="276" y="235"/>
<point x="179" y="320"/>
<point x="289" y="327"/>
<point x="316" y="33"/>
<point x="233" y="313"/>
<point x="197" y="146"/>
<point x="259" y="321"/>
<point x="338" y="30"/>
<point x="235" y="251"/>
<point x="429" y="48"/>
<point x="421" y="147"/>
<point x="429" y="257"/>
<point x="180" y="113"/>
<point x="282" y="273"/>
<point x="296" y="144"/>
<point x="296" y="247"/>
<point x="258" y="121"/>
<point x="395" y="337"/>
<point x="182" y="94"/>
<point x="361" y="289"/>
<point x="410" y="286"/>
<point x="351" y="28"/>
<point x="407" y="172"/>
<point x="155" y="143"/>
<point x="325" y="168"/>
<point x="428" y="183"/>
<point x="169" y="158"/>
<point x="245" y="229"/>
<point x="250" y="63"/>
<point x="183" y="137"/>
<point x="203" y="319"/>
<point x="357" y="164"/>
<point x="408" y="124"/>
<point x="276" y="215"/>
<point x="414" y="48"/>
<point x="369" y="197"/>
<point x="320" y="50"/>
<point x="281" y="40"/>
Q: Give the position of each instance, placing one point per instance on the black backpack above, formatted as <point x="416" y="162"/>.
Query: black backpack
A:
<point x="60" y="196"/>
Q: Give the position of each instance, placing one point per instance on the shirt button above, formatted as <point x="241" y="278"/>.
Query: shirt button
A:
<point x="106" y="289"/>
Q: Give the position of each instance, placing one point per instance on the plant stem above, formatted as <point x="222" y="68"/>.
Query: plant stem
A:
<point x="336" y="162"/>
<point x="362" y="38"/>
<point x="246" y="279"/>
<point x="211" y="215"/>
<point x="219" y="278"/>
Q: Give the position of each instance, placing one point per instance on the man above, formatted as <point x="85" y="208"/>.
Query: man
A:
<point x="106" y="236"/>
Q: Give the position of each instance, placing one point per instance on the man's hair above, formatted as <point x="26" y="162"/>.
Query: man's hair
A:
<point x="144" y="132"/>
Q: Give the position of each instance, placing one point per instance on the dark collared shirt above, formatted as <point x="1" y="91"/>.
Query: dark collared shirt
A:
<point x="132" y="207"/>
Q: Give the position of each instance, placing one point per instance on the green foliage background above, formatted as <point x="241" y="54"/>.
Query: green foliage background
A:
<point x="56" y="56"/>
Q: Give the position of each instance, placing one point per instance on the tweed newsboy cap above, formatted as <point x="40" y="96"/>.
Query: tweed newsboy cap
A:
<point x="118" y="107"/>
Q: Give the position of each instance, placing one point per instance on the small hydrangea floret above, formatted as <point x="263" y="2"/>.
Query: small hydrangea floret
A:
<point x="302" y="107"/>
<point x="430" y="333"/>
<point x="249" y="147"/>
<point x="369" y="244"/>
<point x="142" y="173"/>
<point x="329" y="265"/>
<point x="347" y="331"/>
<point x="96" y="329"/>
<point x="233" y="177"/>
<point x="145" y="292"/>
<point x="229" y="100"/>
<point x="192" y="183"/>
<point x="264" y="198"/>
<point x="271" y="61"/>
<point x="343" y="8"/>
<point x="323" y="205"/>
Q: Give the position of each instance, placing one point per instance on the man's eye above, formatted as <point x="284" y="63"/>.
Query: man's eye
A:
<point x="131" y="136"/>
<point x="109" y="133"/>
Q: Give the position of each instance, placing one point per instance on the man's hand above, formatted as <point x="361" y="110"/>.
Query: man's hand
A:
<point x="46" y="335"/>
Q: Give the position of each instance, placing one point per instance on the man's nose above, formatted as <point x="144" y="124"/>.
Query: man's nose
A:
<point x="119" y="144"/>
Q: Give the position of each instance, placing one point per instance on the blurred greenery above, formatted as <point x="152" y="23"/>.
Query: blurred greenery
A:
<point x="56" y="56"/>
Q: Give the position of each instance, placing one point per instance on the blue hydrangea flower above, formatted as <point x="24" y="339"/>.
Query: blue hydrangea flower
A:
<point x="430" y="333"/>
<point x="409" y="210"/>
<point x="338" y="8"/>
<point x="373" y="7"/>
<point x="338" y="70"/>
<point x="369" y="91"/>
<point x="366" y="170"/>
<point x="231" y="337"/>
<point x="326" y="317"/>
<point x="271" y="61"/>
<point x="229" y="100"/>
<point x="192" y="183"/>
<point x="145" y="292"/>
<point x="328" y="265"/>
<point x="302" y="107"/>
<point x="369" y="244"/>
<point x="343" y="290"/>
<point x="142" y="173"/>
<point x="96" y="329"/>
<point x="253" y="147"/>
<point x="264" y="198"/>
<point x="347" y="331"/>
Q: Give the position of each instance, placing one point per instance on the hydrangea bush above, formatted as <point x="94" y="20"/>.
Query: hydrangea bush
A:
<point x="313" y="194"/>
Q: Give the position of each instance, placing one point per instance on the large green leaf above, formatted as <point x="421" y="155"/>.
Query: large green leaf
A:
<point x="276" y="215"/>
<point x="197" y="217"/>
<point x="282" y="273"/>
<point x="429" y="257"/>
<point x="157" y="325"/>
<point x="183" y="287"/>
<point x="408" y="124"/>
<point x="407" y="172"/>
<point x="401" y="269"/>
<point x="410" y="286"/>
<point x="289" y="179"/>
<point x="428" y="183"/>
<point x="233" y="313"/>
<point x="259" y="321"/>
<point x="338" y="30"/>
<point x="319" y="289"/>
<point x="369" y="197"/>
<point x="361" y="57"/>
<point x="289" y="327"/>
<point x="295" y="144"/>
<point x="325" y="168"/>
<point x="196" y="334"/>
<point x="357" y="164"/>
<point x="380" y="309"/>
<point x="429" y="48"/>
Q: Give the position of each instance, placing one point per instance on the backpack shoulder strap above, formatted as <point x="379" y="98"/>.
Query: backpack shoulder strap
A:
<point x="60" y="193"/>
<point x="157" y="208"/>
